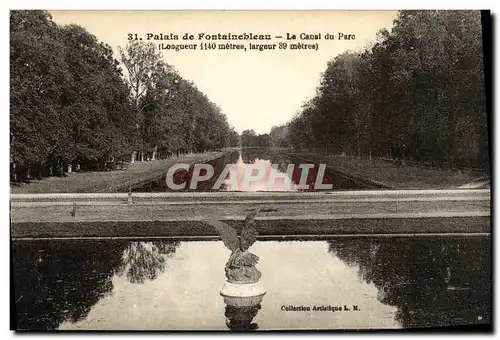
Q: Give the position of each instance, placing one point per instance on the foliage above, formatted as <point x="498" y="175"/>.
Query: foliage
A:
<point x="417" y="94"/>
<point x="176" y="115"/>
<point x="250" y="139"/>
<point x="71" y="103"/>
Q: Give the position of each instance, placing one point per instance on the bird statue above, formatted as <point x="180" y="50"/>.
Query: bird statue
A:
<point x="240" y="268"/>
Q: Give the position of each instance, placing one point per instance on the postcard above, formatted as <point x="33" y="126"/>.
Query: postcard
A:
<point x="187" y="170"/>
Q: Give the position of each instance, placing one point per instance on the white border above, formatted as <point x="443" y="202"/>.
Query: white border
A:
<point x="255" y="4"/>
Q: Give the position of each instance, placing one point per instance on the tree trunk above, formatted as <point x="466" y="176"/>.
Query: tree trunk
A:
<point x="12" y="172"/>
<point x="153" y="158"/>
<point x="20" y="173"/>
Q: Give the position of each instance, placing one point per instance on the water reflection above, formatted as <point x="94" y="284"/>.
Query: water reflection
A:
<point x="433" y="282"/>
<point x="275" y="162"/>
<point x="251" y="156"/>
<point x="272" y="179"/>
<point x="111" y="285"/>
<point x="61" y="281"/>
<point x="143" y="261"/>
<point x="239" y="318"/>
<point x="277" y="174"/>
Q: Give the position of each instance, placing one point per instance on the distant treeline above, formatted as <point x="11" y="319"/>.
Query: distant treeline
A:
<point x="251" y="139"/>
<point x="416" y="94"/>
<point x="71" y="104"/>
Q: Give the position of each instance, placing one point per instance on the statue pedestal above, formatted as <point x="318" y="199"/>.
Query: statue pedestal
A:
<point x="242" y="294"/>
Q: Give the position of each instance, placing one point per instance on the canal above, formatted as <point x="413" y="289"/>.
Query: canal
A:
<point x="274" y="162"/>
<point x="346" y="283"/>
<point x="331" y="282"/>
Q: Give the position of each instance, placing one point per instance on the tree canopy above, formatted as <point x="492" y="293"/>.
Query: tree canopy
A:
<point x="418" y="93"/>
<point x="71" y="102"/>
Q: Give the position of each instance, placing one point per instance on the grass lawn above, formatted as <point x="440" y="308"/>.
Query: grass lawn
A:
<point x="108" y="181"/>
<point x="398" y="177"/>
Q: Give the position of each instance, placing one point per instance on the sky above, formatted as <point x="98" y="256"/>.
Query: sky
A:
<point x="255" y="89"/>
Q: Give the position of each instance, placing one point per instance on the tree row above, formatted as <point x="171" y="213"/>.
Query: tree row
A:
<point x="418" y="93"/>
<point x="72" y="105"/>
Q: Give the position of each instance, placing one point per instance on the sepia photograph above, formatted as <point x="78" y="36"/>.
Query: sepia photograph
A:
<point x="230" y="170"/>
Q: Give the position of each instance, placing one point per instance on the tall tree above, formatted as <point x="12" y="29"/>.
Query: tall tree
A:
<point x="143" y="63"/>
<point x="68" y="100"/>
<point x="417" y="93"/>
<point x="39" y="78"/>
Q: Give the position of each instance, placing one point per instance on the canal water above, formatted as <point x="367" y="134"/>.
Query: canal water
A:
<point x="332" y="283"/>
<point x="272" y="162"/>
<point x="341" y="283"/>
